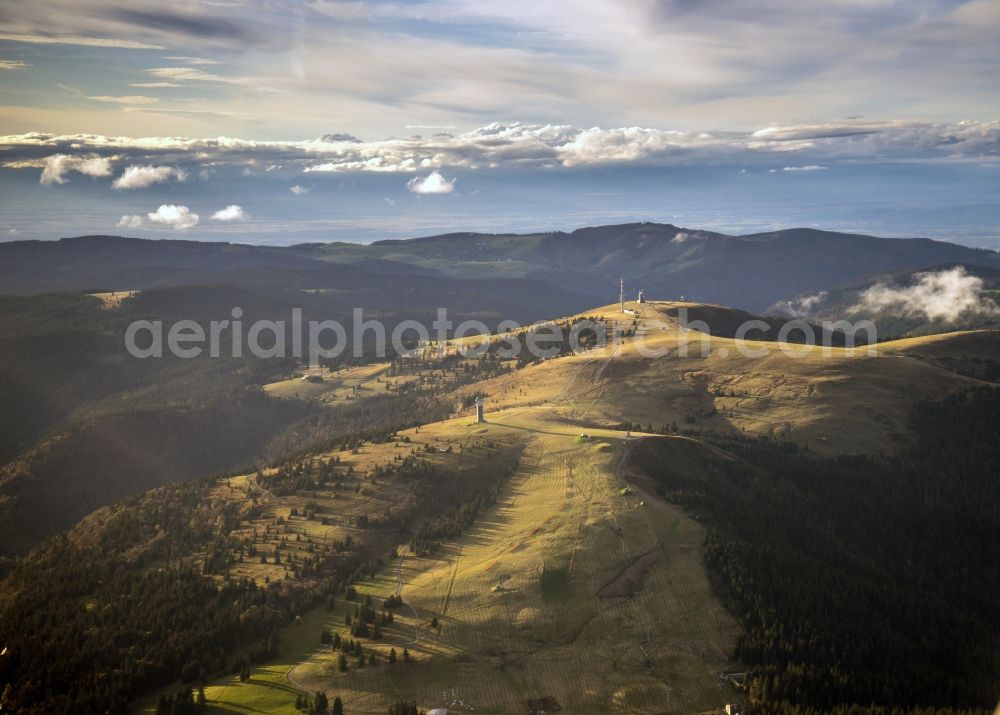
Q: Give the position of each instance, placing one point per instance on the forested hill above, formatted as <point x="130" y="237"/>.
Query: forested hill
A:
<point x="749" y="272"/>
<point x="864" y="584"/>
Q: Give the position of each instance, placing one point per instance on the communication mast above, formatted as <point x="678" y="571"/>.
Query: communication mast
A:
<point x="621" y="294"/>
<point x="479" y="410"/>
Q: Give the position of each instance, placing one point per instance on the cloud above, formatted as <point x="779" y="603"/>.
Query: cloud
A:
<point x="192" y="60"/>
<point x="517" y="145"/>
<point x="942" y="296"/>
<point x="130" y="221"/>
<point x="180" y="217"/>
<point x="300" y="190"/>
<point x="153" y="85"/>
<point x="339" y="137"/>
<point x="685" y="236"/>
<point x="40" y="39"/>
<point x="802" y="306"/>
<point x="828" y="130"/>
<point x="198" y="26"/>
<point x="433" y="183"/>
<point x="57" y="166"/>
<point x="603" y="62"/>
<point x="13" y="65"/>
<point x="233" y="212"/>
<point x="139" y="177"/>
<point x="198" y="113"/>
<point x="192" y="74"/>
<point x="131" y="99"/>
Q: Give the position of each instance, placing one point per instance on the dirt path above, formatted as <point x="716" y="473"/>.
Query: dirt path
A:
<point x="399" y="592"/>
<point x="451" y="583"/>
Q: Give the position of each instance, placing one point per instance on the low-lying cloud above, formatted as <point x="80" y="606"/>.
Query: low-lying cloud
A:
<point x="940" y="296"/>
<point x="685" y="236"/>
<point x="801" y="306"/>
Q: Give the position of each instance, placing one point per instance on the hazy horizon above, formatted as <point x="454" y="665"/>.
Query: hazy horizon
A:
<point x="886" y="201"/>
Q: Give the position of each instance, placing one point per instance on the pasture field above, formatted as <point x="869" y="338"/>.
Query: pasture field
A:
<point x="567" y="589"/>
<point x="425" y="370"/>
<point x="336" y="385"/>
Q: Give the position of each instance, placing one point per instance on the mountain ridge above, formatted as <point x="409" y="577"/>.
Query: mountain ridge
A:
<point x="665" y="260"/>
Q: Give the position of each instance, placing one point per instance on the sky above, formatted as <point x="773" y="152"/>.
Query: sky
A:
<point x="279" y="122"/>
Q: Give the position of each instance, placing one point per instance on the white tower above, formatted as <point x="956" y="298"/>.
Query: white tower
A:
<point x="621" y="294"/>
<point x="479" y="410"/>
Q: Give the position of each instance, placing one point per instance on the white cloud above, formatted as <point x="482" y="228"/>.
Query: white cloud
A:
<point x="77" y="40"/>
<point x="944" y="295"/>
<point x="192" y="60"/>
<point x="55" y="167"/>
<point x="130" y="221"/>
<point x="153" y="85"/>
<point x="518" y="145"/>
<point x="233" y="212"/>
<point x="180" y="217"/>
<point x="139" y="177"/>
<point x="130" y="99"/>
<point x="685" y="236"/>
<point x="802" y="306"/>
<point x="300" y="190"/>
<point x="603" y="61"/>
<point x="192" y="74"/>
<point x="433" y="183"/>
<point x="13" y="65"/>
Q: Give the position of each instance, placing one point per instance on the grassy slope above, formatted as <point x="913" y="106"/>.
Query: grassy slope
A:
<point x="564" y="511"/>
<point x="496" y="647"/>
<point x="833" y="399"/>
